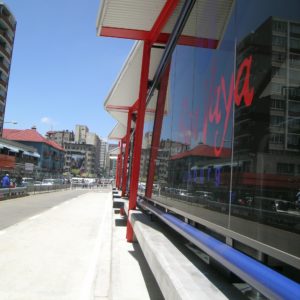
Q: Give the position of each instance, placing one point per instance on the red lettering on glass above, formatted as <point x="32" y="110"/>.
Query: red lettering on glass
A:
<point x="246" y="92"/>
<point x="215" y="115"/>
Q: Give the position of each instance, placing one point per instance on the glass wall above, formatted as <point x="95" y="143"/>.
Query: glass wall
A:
<point x="229" y="152"/>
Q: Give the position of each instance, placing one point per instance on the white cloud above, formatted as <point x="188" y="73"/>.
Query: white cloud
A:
<point x="47" y="120"/>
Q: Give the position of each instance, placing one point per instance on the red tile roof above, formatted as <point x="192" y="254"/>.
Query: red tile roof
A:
<point x="28" y="135"/>
<point x="202" y="150"/>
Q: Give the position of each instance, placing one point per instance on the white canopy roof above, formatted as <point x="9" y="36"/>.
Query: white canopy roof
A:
<point x="125" y="91"/>
<point x="135" y="18"/>
<point x="118" y="132"/>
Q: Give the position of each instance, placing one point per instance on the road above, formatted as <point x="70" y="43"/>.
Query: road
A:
<point x="51" y="245"/>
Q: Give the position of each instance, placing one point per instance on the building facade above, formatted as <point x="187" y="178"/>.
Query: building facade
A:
<point x="81" y="132"/>
<point x="51" y="159"/>
<point x="61" y="137"/>
<point x="7" y="36"/>
<point x="18" y="159"/>
<point x="103" y="157"/>
<point x="80" y="159"/>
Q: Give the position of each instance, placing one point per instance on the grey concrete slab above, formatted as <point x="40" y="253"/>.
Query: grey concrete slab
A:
<point x="177" y="277"/>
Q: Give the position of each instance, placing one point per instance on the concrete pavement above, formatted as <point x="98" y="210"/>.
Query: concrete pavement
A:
<point x="78" y="250"/>
<point x="74" y="250"/>
<point x="53" y="255"/>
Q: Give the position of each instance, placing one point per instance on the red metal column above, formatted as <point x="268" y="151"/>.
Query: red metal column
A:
<point x="120" y="164"/>
<point x="138" y="137"/>
<point x="126" y="154"/>
<point x="159" y="113"/>
<point x="118" y="169"/>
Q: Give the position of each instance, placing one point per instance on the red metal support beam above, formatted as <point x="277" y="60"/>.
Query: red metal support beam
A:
<point x="162" y="19"/>
<point x="138" y="137"/>
<point x="120" y="164"/>
<point x="126" y="154"/>
<point x="118" y="170"/>
<point x="135" y="34"/>
<point x="159" y="114"/>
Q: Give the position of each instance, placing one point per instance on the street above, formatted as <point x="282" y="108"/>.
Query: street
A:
<point x="50" y="245"/>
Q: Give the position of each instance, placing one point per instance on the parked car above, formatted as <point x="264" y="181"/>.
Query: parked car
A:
<point x="52" y="181"/>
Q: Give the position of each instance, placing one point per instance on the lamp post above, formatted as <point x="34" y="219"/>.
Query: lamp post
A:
<point x="10" y="122"/>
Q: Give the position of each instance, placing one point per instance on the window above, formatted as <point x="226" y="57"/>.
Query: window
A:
<point x="295" y="29"/>
<point x="276" y="88"/>
<point x="294" y="43"/>
<point x="294" y="93"/>
<point x="279" y="41"/>
<point x="278" y="72"/>
<point x="277" y="139"/>
<point x="285" y="168"/>
<point x="277" y="121"/>
<point x="278" y="104"/>
<point x="294" y="60"/>
<point x="294" y="107"/>
<point x="293" y="141"/>
<point x="278" y="57"/>
<point x="279" y="26"/>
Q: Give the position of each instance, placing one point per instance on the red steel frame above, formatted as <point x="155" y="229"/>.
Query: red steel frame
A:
<point x="126" y="154"/>
<point x="118" y="167"/>
<point x="140" y="105"/>
<point x="149" y="37"/>
<point x="137" y="149"/>
<point x="160" y="108"/>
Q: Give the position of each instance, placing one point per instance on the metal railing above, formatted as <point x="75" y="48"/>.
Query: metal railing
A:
<point x="267" y="281"/>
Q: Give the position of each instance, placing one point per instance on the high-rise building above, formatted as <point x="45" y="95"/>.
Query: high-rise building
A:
<point x="93" y="139"/>
<point x="81" y="133"/>
<point x="103" y="156"/>
<point x="60" y="137"/>
<point x="275" y="125"/>
<point x="7" y="35"/>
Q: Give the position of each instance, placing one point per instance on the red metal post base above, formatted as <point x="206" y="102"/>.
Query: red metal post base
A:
<point x="129" y="233"/>
<point x="122" y="211"/>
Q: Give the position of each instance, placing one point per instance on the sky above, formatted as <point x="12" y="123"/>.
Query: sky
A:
<point x="61" y="71"/>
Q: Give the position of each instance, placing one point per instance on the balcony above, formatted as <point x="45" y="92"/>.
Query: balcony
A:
<point x="8" y="20"/>
<point x="7" y="38"/>
<point x="3" y="66"/>
<point x="5" y="52"/>
<point x="3" y="83"/>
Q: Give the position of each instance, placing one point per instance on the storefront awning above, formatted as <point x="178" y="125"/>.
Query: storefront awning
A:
<point x="125" y="91"/>
<point x="33" y="154"/>
<point x="139" y="19"/>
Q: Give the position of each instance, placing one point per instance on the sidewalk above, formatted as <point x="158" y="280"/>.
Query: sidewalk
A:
<point x="78" y="250"/>
<point x="54" y="254"/>
<point x="75" y="250"/>
<point x="131" y="277"/>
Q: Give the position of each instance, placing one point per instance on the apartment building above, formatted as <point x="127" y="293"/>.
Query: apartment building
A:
<point x="7" y="35"/>
<point x="61" y="137"/>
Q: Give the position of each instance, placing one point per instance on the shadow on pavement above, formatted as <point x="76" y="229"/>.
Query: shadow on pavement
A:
<point x="151" y="284"/>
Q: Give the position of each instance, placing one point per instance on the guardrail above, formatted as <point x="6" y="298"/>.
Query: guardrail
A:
<point x="33" y="189"/>
<point x="267" y="281"/>
<point x="90" y="186"/>
<point x="7" y="193"/>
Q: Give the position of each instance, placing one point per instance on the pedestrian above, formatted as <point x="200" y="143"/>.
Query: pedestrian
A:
<point x="6" y="181"/>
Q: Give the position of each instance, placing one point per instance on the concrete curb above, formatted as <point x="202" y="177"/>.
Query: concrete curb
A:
<point x="177" y="277"/>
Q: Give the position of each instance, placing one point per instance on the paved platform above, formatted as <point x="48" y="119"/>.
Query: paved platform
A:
<point x="78" y="250"/>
